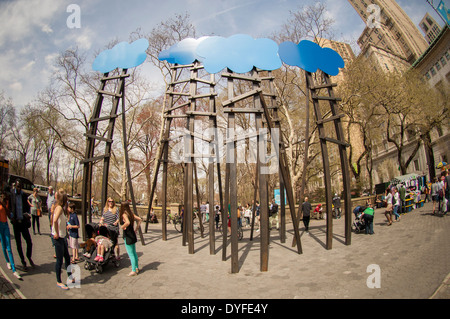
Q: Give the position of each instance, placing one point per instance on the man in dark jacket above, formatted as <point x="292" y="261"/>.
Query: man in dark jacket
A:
<point x="306" y="213"/>
<point x="20" y="219"/>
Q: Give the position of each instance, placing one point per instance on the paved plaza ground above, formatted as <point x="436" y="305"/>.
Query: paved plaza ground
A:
<point x="412" y="256"/>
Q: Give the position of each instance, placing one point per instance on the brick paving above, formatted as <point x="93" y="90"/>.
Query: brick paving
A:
<point x="413" y="257"/>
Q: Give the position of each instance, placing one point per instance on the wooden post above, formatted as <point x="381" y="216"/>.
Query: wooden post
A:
<point x="231" y="161"/>
<point x="212" y="124"/>
<point x="344" y="161"/>
<point x="325" y="161"/>
<point x="127" y="162"/>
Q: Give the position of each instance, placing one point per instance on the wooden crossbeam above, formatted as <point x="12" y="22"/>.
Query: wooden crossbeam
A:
<point x="198" y="113"/>
<point x="323" y="86"/>
<point x="327" y="98"/>
<point x="242" y="110"/>
<point x="100" y="138"/>
<point x="201" y="96"/>
<point x="331" y="118"/>
<point x="241" y="77"/>
<point x="241" y="97"/>
<point x="115" y="77"/>
<point x="94" y="159"/>
<point x="332" y="140"/>
<point x="103" y="118"/>
<point x="177" y="107"/>
<point x="178" y="93"/>
<point x="117" y="95"/>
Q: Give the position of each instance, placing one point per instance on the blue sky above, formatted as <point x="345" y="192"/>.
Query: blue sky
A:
<point x="33" y="33"/>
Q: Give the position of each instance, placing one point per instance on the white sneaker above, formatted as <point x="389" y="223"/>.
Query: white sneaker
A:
<point x="16" y="274"/>
<point x="8" y="265"/>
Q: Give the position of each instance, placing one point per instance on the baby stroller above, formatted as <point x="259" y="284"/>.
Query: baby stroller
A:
<point x="358" y="224"/>
<point x="92" y="230"/>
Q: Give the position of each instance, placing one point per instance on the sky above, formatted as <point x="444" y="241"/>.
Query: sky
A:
<point x="33" y="33"/>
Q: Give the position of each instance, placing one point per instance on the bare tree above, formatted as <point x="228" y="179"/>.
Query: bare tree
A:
<point x="7" y="116"/>
<point x="308" y="22"/>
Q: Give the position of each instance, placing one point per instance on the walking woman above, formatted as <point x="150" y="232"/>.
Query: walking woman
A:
<point x="389" y="206"/>
<point x="5" y="235"/>
<point x="127" y="219"/>
<point x="435" y="193"/>
<point x="110" y="218"/>
<point x="397" y="204"/>
<point x="35" y="202"/>
<point x="59" y="233"/>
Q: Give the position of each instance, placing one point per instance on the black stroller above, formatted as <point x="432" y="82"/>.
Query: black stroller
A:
<point x="93" y="230"/>
<point x="358" y="224"/>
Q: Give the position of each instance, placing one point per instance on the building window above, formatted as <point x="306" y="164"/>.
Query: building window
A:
<point x="438" y="66"/>
<point x="433" y="71"/>
<point x="416" y="165"/>
<point x="427" y="75"/>
<point x="447" y="56"/>
<point x="387" y="68"/>
<point x="443" y="61"/>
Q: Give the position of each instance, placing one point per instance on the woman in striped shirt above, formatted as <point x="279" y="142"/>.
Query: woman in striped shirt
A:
<point x="110" y="218"/>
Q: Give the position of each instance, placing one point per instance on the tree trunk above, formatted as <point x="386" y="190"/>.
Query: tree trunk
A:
<point x="426" y="138"/>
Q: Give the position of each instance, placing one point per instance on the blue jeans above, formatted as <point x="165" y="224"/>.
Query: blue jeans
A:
<point x="397" y="215"/>
<point x="368" y="220"/>
<point x="5" y="238"/>
<point x="61" y="252"/>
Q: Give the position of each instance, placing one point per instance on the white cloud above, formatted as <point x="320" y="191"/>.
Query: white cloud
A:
<point x="83" y="40"/>
<point x="16" y="86"/>
<point x="27" y="67"/>
<point x="46" y="28"/>
<point x="18" y="19"/>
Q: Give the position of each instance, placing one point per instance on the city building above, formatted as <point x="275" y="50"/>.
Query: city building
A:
<point x="389" y="28"/>
<point x="434" y="66"/>
<point x="430" y="28"/>
<point x="396" y="45"/>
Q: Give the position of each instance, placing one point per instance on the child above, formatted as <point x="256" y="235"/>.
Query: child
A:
<point x="368" y="216"/>
<point x="318" y="212"/>
<point x="103" y="244"/>
<point x="72" y="226"/>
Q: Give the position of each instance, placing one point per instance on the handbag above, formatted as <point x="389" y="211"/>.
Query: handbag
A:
<point x="39" y="212"/>
<point x="130" y="235"/>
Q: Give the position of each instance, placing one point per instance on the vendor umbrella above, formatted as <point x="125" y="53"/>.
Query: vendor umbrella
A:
<point x="441" y="164"/>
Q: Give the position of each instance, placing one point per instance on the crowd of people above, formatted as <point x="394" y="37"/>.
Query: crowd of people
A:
<point x="24" y="211"/>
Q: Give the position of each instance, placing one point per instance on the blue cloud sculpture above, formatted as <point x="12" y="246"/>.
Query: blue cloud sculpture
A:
<point x="184" y="52"/>
<point x="123" y="55"/>
<point x="310" y="56"/>
<point x="240" y="53"/>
